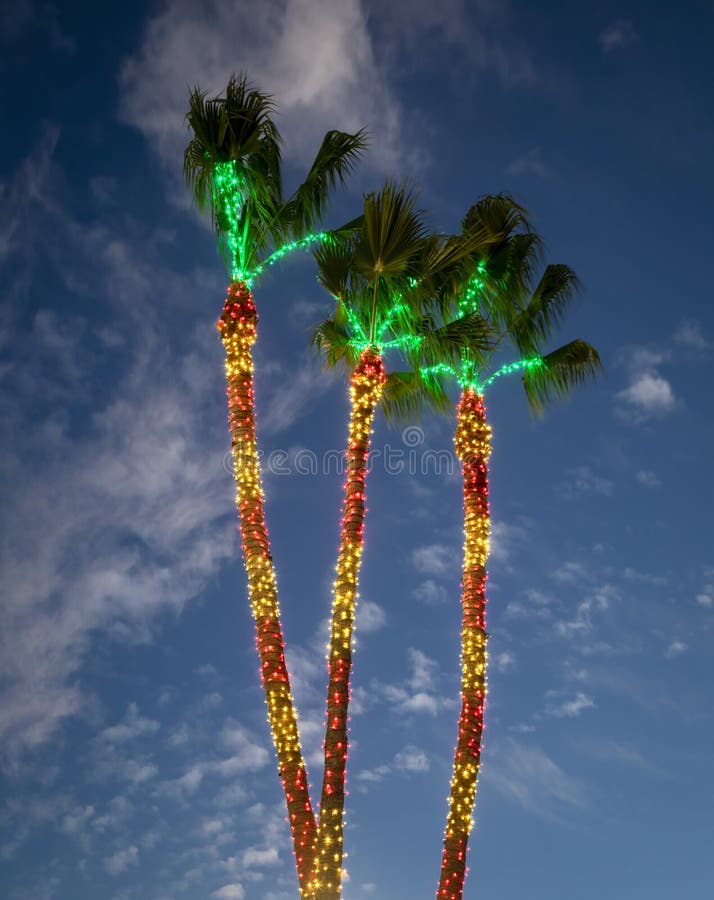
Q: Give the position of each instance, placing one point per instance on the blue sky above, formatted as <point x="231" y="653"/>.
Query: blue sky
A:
<point x="136" y="762"/>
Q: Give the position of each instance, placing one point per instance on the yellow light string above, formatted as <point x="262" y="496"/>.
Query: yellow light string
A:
<point x="238" y="329"/>
<point x="366" y="386"/>
<point x="473" y="447"/>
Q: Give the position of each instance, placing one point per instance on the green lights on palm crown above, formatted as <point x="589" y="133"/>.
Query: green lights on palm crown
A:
<point x="229" y="196"/>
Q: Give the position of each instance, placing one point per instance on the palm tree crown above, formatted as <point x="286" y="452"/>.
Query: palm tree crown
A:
<point x="233" y="167"/>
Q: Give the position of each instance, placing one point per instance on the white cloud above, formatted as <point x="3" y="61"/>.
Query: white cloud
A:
<point x="530" y="164"/>
<point x="705" y="600"/>
<point x="504" y="661"/>
<point x="648" y="479"/>
<point x="526" y="774"/>
<point x="568" y="708"/>
<point x="130" y="519"/>
<point x="503" y="539"/>
<point x="583" y="480"/>
<point x="439" y="560"/>
<point x="675" y="649"/>
<point x="690" y="335"/>
<point x="253" y="857"/>
<point x="411" y="759"/>
<point x="430" y="593"/>
<point x="370" y="617"/>
<point x="648" y="394"/>
<point x="232" y="891"/>
<point x="315" y="56"/>
<point x="617" y="36"/>
<point x="132" y="726"/>
<point x="121" y="860"/>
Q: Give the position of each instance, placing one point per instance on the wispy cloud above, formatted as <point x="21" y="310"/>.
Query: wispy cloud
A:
<point x="531" y="163"/>
<point x="675" y="648"/>
<point x="527" y="775"/>
<point x="317" y="57"/>
<point x="690" y="336"/>
<point x="440" y="560"/>
<point x="127" y="520"/>
<point x="617" y="36"/>
<point x="561" y="707"/>
<point x="583" y="480"/>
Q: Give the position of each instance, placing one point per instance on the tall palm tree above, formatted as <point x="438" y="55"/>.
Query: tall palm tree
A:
<point x="233" y="166"/>
<point x="499" y="286"/>
<point x="381" y="280"/>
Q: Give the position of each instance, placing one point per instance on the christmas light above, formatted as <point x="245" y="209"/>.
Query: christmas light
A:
<point x="229" y="195"/>
<point x="473" y="446"/>
<point x="238" y="328"/>
<point x="519" y="365"/>
<point x="366" y="386"/>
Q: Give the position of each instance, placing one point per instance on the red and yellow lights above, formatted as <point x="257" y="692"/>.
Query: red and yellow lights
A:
<point x="238" y="329"/>
<point x="473" y="447"/>
<point x="366" y="386"/>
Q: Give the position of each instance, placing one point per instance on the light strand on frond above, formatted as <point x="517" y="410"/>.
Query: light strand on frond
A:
<point x="229" y="196"/>
<point x="520" y="365"/>
<point x="468" y="300"/>
<point x="285" y="250"/>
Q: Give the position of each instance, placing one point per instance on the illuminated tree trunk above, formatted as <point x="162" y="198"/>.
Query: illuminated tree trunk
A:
<point x="473" y="446"/>
<point x="366" y="387"/>
<point x="238" y="327"/>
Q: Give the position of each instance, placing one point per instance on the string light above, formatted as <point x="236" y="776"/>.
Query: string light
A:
<point x="366" y="386"/>
<point x="473" y="447"/>
<point x="238" y="329"/>
<point x="229" y="195"/>
<point x="534" y="362"/>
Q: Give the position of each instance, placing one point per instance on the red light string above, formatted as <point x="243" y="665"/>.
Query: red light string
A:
<point x="238" y="329"/>
<point x="473" y="447"/>
<point x="366" y="386"/>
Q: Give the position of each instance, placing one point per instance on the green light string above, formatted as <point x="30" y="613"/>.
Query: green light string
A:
<point x="534" y="362"/>
<point x="284" y="250"/>
<point x="229" y="196"/>
<point x="468" y="301"/>
<point x="361" y="341"/>
<point x="438" y="369"/>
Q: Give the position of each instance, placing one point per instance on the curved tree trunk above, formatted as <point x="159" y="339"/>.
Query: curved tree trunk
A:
<point x="366" y="387"/>
<point x="238" y="328"/>
<point x="473" y="446"/>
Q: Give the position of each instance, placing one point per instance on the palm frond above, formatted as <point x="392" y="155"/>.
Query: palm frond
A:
<point x="499" y="214"/>
<point x="560" y="371"/>
<point x="333" y="340"/>
<point x="554" y="292"/>
<point x="334" y="258"/>
<point x="392" y="233"/>
<point x="408" y="395"/>
<point x="335" y="160"/>
<point x="470" y="334"/>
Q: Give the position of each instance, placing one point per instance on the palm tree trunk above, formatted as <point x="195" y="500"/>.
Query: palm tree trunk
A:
<point x="238" y="328"/>
<point x="473" y="446"/>
<point x="366" y="387"/>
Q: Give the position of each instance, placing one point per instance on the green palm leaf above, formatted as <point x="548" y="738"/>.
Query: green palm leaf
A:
<point x="335" y="160"/>
<point x="408" y="395"/>
<point x="554" y="292"/>
<point x="392" y="233"/>
<point x="569" y="366"/>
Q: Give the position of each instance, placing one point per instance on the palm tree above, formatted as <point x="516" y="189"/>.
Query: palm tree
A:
<point x="233" y="166"/>
<point x="498" y="285"/>
<point x="381" y="280"/>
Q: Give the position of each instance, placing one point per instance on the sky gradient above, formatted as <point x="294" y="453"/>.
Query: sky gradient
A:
<point x="135" y="756"/>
